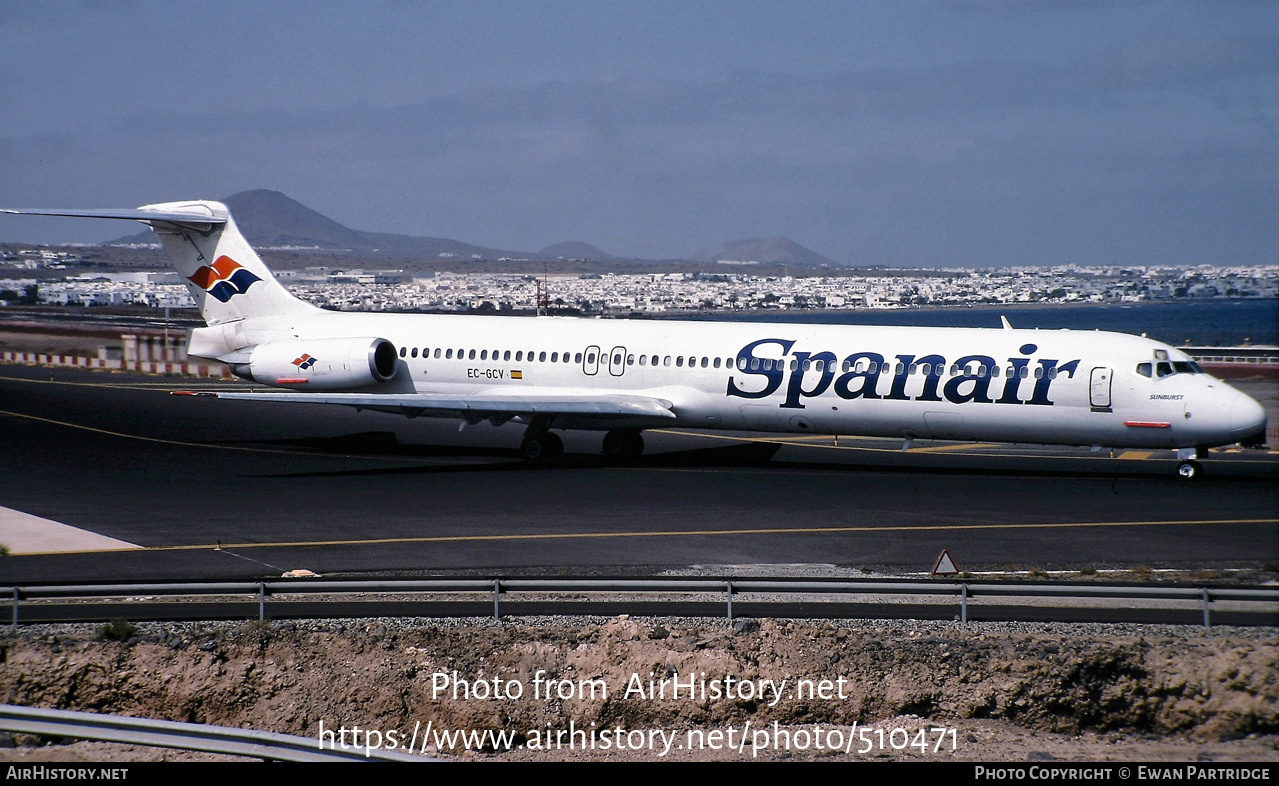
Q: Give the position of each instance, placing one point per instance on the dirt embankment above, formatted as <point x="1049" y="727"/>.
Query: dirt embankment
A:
<point x="996" y="686"/>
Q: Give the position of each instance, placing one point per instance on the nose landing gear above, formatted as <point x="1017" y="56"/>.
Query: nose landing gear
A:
<point x="1189" y="469"/>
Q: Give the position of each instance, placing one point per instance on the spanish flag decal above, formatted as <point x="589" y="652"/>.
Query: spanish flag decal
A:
<point x="517" y="375"/>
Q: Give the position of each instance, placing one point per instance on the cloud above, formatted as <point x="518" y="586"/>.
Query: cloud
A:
<point x="984" y="162"/>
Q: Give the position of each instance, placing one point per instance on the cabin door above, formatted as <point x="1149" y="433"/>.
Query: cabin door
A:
<point x="1099" y="390"/>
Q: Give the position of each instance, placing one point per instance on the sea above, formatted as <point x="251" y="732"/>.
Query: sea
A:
<point x="1202" y="323"/>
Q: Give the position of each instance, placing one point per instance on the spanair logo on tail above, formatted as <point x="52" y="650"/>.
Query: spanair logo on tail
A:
<point x="305" y="362"/>
<point x="224" y="279"/>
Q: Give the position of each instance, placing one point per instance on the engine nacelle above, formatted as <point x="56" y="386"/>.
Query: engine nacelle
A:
<point x="321" y="364"/>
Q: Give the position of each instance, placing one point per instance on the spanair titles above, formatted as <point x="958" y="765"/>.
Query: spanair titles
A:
<point x="973" y="378"/>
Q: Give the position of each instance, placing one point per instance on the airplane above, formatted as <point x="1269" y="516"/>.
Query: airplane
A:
<point x="625" y="376"/>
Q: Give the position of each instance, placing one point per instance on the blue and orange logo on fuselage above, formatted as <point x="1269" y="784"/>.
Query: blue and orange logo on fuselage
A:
<point x="224" y="279"/>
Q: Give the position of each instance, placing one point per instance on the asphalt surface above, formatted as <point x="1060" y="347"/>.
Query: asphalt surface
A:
<point x="230" y="489"/>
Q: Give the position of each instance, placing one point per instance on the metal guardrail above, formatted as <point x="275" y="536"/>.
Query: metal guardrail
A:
<point x="266" y="745"/>
<point x="817" y="590"/>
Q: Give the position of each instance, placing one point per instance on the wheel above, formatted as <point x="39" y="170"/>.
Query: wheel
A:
<point x="623" y="444"/>
<point x="1189" y="470"/>
<point x="542" y="448"/>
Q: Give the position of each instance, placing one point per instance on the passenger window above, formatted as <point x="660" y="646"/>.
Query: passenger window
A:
<point x="653" y="362"/>
<point x="590" y="359"/>
<point x="642" y="359"/>
<point x="873" y="367"/>
<point x="994" y="371"/>
<point x="1039" y="373"/>
<point x="577" y="358"/>
<point x="630" y="360"/>
<point x="541" y="357"/>
<point x="741" y="364"/>
<point x="706" y="362"/>
<point x="555" y="357"/>
<point x="716" y="362"/>
<point x="1025" y="372"/>
<point x="403" y="350"/>
<point x="754" y="364"/>
<point x="448" y="355"/>
<point x="470" y="355"/>
<point x="506" y="355"/>
<point x="413" y="354"/>
<point x="484" y="354"/>
<point x="679" y="361"/>
<point x="617" y="360"/>
<point x="1163" y="369"/>
<point x="519" y="356"/>
<point x="1052" y="373"/>
<point x="666" y="361"/>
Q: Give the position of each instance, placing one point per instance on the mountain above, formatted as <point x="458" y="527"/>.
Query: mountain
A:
<point x="574" y="249"/>
<point x="270" y="219"/>
<point x="763" y="251"/>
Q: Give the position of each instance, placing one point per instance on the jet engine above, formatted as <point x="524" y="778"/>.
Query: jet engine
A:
<point x="319" y="364"/>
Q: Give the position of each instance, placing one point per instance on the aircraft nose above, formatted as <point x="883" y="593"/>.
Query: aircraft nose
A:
<point x="1247" y="417"/>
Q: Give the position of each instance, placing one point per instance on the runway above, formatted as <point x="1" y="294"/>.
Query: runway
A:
<point x="231" y="489"/>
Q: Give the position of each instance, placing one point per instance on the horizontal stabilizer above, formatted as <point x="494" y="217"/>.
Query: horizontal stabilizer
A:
<point x="195" y="220"/>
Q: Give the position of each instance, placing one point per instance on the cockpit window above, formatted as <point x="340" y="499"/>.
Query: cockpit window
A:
<point x="1168" y="368"/>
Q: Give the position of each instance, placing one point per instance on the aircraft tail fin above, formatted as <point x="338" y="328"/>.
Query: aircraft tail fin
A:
<point x="226" y="277"/>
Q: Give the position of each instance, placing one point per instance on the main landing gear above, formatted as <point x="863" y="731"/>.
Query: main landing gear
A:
<point x="540" y="445"/>
<point x="623" y="444"/>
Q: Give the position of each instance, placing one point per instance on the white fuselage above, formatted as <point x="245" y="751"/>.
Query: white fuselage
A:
<point x="1049" y="387"/>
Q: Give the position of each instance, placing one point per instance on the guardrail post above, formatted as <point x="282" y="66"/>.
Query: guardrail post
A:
<point x="17" y="596"/>
<point x="729" y="585"/>
<point x="1207" y="620"/>
<point x="497" y="591"/>
<point x="261" y="602"/>
<point x="963" y="603"/>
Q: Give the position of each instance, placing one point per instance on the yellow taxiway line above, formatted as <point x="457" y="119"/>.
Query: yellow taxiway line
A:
<point x="546" y="536"/>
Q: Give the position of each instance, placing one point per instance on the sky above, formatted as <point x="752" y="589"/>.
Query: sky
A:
<point x="938" y="134"/>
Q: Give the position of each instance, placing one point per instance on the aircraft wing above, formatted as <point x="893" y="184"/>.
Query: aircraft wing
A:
<point x="480" y="406"/>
